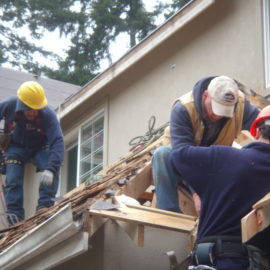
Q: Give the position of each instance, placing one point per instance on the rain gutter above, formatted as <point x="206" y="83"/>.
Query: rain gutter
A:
<point x="42" y="238"/>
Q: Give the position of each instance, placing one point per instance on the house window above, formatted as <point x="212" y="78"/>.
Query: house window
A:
<point x="72" y="155"/>
<point x="91" y="148"/>
<point x="266" y="7"/>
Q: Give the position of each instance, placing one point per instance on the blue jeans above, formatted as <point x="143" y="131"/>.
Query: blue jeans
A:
<point x="17" y="157"/>
<point x="232" y="264"/>
<point x="166" y="180"/>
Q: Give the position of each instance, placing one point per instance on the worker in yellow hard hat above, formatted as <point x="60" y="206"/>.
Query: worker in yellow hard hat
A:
<point x="31" y="132"/>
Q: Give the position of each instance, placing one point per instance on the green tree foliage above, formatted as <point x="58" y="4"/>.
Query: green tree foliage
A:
<point x="172" y="8"/>
<point x="21" y="18"/>
<point x="100" y="23"/>
<point x="91" y="26"/>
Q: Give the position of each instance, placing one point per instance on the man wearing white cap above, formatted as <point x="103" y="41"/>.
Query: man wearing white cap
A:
<point x="214" y="112"/>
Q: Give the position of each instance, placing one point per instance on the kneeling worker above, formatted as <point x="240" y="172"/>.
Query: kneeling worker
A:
<point x="229" y="181"/>
<point x="214" y="113"/>
<point x="34" y="134"/>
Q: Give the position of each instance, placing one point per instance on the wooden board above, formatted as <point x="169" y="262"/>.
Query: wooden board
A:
<point x="264" y="201"/>
<point x="138" y="183"/>
<point x="257" y="220"/>
<point x="244" y="138"/>
<point x="249" y="226"/>
<point x="186" y="202"/>
<point x="150" y="217"/>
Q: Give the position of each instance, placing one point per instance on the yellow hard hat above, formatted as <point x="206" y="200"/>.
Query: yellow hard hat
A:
<point x="32" y="94"/>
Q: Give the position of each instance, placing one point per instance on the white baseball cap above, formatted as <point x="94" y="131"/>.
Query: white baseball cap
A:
<point x="224" y="95"/>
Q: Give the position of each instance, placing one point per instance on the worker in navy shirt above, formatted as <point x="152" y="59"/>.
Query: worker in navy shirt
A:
<point x="31" y="133"/>
<point x="229" y="181"/>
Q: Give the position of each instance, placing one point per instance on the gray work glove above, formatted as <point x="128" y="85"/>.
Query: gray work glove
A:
<point x="46" y="178"/>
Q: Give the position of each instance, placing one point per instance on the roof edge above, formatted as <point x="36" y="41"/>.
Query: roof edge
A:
<point x="56" y="229"/>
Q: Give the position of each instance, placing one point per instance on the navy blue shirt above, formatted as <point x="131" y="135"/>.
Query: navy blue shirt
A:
<point x="228" y="180"/>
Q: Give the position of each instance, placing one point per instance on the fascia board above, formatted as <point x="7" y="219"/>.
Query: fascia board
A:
<point x="133" y="56"/>
<point x="56" y="229"/>
<point x="64" y="251"/>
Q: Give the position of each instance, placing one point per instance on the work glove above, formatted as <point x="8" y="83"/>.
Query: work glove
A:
<point x="46" y="178"/>
<point x="4" y="141"/>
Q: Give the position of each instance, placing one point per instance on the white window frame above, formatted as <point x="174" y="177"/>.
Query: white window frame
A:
<point x="73" y="137"/>
<point x="70" y="147"/>
<point x="96" y="115"/>
<point x="266" y="13"/>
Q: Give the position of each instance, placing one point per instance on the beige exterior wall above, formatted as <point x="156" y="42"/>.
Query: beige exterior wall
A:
<point x="225" y="39"/>
<point x="111" y="248"/>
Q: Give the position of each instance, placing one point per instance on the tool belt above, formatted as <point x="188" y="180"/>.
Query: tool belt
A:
<point x="208" y="249"/>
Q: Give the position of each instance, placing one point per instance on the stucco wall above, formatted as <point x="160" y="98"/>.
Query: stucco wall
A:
<point x="112" y="249"/>
<point x="225" y="39"/>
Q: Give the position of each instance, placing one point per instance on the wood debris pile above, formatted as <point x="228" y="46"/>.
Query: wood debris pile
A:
<point x="80" y="200"/>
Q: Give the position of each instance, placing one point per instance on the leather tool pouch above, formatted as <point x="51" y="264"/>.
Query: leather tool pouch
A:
<point x="258" y="260"/>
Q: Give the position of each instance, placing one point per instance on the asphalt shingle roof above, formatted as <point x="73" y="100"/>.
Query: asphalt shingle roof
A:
<point x="56" y="91"/>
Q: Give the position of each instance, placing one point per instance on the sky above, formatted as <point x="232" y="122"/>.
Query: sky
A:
<point x="52" y="42"/>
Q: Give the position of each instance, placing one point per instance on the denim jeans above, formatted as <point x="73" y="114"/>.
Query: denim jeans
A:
<point x="232" y="263"/>
<point x="166" y="180"/>
<point x="17" y="157"/>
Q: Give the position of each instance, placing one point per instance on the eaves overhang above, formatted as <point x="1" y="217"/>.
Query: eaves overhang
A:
<point x="43" y="238"/>
<point x="156" y="38"/>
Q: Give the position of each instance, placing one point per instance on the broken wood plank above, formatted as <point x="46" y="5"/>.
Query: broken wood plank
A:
<point x="140" y="235"/>
<point x="263" y="217"/>
<point x="154" y="201"/>
<point x="186" y="203"/>
<point x="244" y="137"/>
<point x="137" y="185"/>
<point x="147" y="196"/>
<point x="254" y="222"/>
<point x="249" y="226"/>
<point x="264" y="201"/>
<point x="160" y="211"/>
<point x="147" y="216"/>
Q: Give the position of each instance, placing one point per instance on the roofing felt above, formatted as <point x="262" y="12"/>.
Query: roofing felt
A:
<point x="56" y="91"/>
